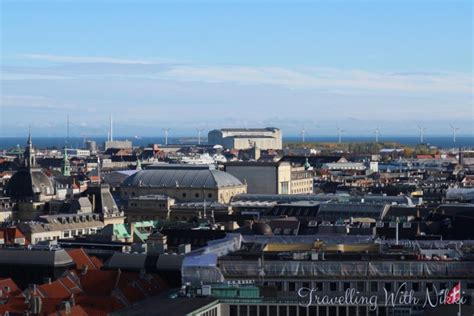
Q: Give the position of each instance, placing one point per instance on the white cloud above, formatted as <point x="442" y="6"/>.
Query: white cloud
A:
<point x="322" y="78"/>
<point x="90" y="59"/>
<point x="327" y="79"/>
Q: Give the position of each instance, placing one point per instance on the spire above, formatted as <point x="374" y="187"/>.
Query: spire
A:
<point x="29" y="142"/>
<point x="66" y="166"/>
<point x="30" y="159"/>
<point x="307" y="165"/>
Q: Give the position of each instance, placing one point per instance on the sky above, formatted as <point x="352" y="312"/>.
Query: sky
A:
<point x="184" y="65"/>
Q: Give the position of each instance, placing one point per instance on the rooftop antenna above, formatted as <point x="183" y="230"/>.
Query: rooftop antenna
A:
<point x="455" y="129"/>
<point x="199" y="130"/>
<point x="339" y="134"/>
<point x="377" y="134"/>
<point x="422" y="133"/>
<point x="166" y="130"/>
<point x="111" y="133"/>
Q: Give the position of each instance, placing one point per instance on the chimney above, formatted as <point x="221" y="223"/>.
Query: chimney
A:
<point x="84" y="270"/>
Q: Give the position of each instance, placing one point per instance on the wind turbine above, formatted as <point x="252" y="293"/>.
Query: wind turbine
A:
<point x="455" y="129"/>
<point x="166" y="130"/>
<point x="422" y="133"/>
<point x="199" y="130"/>
<point x="377" y="133"/>
<point x="339" y="134"/>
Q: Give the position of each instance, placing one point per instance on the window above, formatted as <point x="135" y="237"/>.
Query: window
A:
<point x="196" y="195"/>
<point x="303" y="311"/>
<point x="282" y="310"/>
<point x="284" y="187"/>
<point x="415" y="286"/>
<point x="388" y="286"/>
<point x="291" y="286"/>
<point x="233" y="310"/>
<point x="279" y="286"/>
<point x="429" y="286"/>
<point x="470" y="286"/>
<point x="347" y="285"/>
<point x="361" y="286"/>
<point x="374" y="286"/>
<point x="292" y="310"/>
<point x="319" y="286"/>
<point x="184" y="195"/>
<point x="209" y="195"/>
<point x="66" y="234"/>
<point x="273" y="310"/>
<point x="333" y="286"/>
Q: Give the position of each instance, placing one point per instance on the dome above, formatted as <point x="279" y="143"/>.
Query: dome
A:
<point x="27" y="183"/>
<point x="261" y="228"/>
<point x="182" y="176"/>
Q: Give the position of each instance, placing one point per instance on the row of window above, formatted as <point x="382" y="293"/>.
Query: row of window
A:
<point x="364" y="286"/>
<point x="212" y="312"/>
<point x="68" y="234"/>
<point x="292" y="310"/>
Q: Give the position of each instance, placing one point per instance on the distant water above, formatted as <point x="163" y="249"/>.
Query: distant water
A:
<point x="76" y="142"/>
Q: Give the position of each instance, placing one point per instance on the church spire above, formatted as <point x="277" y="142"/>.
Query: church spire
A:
<point x="30" y="159"/>
<point x="66" y="166"/>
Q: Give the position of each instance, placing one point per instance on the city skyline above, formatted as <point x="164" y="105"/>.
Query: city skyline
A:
<point x="208" y="65"/>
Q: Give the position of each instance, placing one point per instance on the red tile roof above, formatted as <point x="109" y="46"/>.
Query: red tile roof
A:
<point x="10" y="234"/>
<point x="90" y="292"/>
<point x="8" y="288"/>
<point x="82" y="259"/>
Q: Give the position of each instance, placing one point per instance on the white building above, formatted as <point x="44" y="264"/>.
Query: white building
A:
<point x="244" y="138"/>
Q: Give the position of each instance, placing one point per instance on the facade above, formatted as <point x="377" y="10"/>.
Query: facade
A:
<point x="272" y="177"/>
<point x="244" y="138"/>
<point x="148" y="207"/>
<point x="265" y="275"/>
<point x="118" y="144"/>
<point x="75" y="152"/>
<point x="62" y="226"/>
<point x="184" y="183"/>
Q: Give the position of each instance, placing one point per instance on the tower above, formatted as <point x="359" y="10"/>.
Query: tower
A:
<point x="65" y="166"/>
<point x="30" y="159"/>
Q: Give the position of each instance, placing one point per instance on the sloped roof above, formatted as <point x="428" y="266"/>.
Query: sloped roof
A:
<point x="182" y="177"/>
<point x="81" y="259"/>
<point x="27" y="182"/>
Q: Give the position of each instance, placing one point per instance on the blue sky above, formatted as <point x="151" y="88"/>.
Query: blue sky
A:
<point x="210" y="64"/>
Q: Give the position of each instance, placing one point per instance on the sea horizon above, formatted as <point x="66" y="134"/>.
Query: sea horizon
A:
<point x="7" y="142"/>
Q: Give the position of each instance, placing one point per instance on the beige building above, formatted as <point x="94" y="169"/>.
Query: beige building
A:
<point x="272" y="177"/>
<point x="149" y="208"/>
<point x="62" y="226"/>
<point x="184" y="183"/>
<point x="244" y="138"/>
